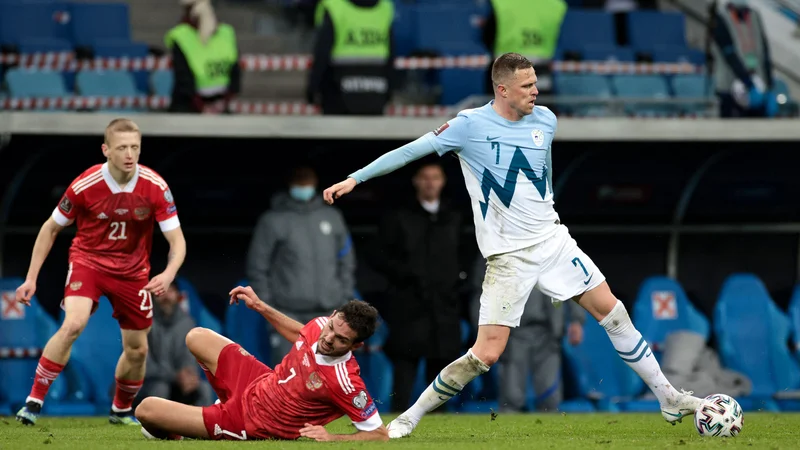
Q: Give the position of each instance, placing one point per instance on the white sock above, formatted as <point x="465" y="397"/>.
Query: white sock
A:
<point x="449" y="383"/>
<point x="633" y="349"/>
<point x="119" y="411"/>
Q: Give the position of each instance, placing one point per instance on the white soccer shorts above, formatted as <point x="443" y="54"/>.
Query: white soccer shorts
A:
<point x="556" y="266"/>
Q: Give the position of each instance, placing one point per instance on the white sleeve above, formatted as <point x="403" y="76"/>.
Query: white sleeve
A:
<point x="371" y="424"/>
<point x="60" y="218"/>
<point x="169" y="224"/>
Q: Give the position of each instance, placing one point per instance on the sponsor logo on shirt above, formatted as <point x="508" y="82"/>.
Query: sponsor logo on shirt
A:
<point x="102" y="216"/>
<point x="305" y="360"/>
<point x="121" y="211"/>
<point x="65" y="205"/>
<point x="168" y="196"/>
<point x="171" y="209"/>
<point x="75" y="285"/>
<point x="243" y="351"/>
<point x="368" y="412"/>
<point x="439" y="130"/>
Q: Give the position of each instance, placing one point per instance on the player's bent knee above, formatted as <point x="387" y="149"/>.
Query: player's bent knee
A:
<point x="144" y="412"/>
<point x="72" y="327"/>
<point x="136" y="353"/>
<point x="195" y="337"/>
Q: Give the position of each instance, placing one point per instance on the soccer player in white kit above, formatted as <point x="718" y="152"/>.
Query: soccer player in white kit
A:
<point x="504" y="149"/>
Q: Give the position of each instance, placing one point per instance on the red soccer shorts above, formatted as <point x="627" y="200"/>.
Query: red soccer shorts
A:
<point x="133" y="306"/>
<point x="236" y="369"/>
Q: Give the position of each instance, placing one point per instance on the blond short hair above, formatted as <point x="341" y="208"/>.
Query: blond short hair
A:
<point x="121" y="126"/>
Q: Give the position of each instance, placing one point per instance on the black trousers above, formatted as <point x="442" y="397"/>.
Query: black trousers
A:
<point x="405" y="373"/>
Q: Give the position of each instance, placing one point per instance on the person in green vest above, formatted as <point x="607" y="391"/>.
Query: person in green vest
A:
<point x="530" y="28"/>
<point x="204" y="61"/>
<point x="353" y="57"/>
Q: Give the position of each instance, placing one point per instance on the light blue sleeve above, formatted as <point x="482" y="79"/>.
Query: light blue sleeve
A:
<point x="451" y="136"/>
<point x="395" y="159"/>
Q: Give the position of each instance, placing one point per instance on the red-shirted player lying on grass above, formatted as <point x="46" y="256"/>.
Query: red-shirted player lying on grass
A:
<point x="315" y="384"/>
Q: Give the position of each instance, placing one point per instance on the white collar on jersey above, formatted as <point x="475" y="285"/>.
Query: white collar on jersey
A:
<point x="323" y="360"/>
<point x="114" y="186"/>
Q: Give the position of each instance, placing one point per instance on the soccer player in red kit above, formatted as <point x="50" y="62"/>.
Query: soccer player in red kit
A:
<point x="315" y="384"/>
<point x="114" y="206"/>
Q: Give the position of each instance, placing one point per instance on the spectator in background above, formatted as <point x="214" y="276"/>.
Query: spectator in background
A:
<point x="418" y="254"/>
<point x="533" y="347"/>
<point x="300" y="259"/>
<point x="742" y="64"/>
<point x="205" y="61"/>
<point x="172" y="371"/>
<point x="530" y="28"/>
<point x="353" y="57"/>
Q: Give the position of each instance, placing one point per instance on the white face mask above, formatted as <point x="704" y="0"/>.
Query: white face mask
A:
<point x="432" y="206"/>
<point x="302" y="193"/>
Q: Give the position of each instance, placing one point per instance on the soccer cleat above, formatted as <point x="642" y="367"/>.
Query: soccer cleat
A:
<point x="683" y="405"/>
<point x="400" y="427"/>
<point x="28" y="414"/>
<point x="123" y="418"/>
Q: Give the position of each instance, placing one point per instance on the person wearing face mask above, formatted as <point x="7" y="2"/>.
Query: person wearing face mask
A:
<point x="300" y="259"/>
<point x="205" y="61"/>
<point x="418" y="253"/>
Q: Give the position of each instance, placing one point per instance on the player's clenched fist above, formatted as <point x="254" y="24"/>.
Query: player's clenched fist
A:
<point x="247" y="295"/>
<point x="316" y="432"/>
<point x="338" y="190"/>
<point x="25" y="292"/>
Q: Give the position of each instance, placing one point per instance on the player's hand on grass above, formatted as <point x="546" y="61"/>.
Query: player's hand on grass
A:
<point x="316" y="432"/>
<point x="25" y="292"/>
<point x="337" y="190"/>
<point x="247" y="295"/>
<point x="159" y="284"/>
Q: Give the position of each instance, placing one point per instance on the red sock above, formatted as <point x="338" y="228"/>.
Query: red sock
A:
<point x="46" y="373"/>
<point x="219" y="387"/>
<point x="125" y="393"/>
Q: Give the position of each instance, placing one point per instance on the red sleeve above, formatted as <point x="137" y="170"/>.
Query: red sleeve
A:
<point x="311" y="332"/>
<point x="70" y="203"/>
<point x="351" y="397"/>
<point x="166" y="211"/>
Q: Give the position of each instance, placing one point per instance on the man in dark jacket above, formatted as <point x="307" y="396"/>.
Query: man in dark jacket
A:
<point x="300" y="259"/>
<point x="172" y="371"/>
<point x="419" y="255"/>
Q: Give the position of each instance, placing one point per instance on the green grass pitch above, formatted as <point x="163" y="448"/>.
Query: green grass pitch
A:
<point x="441" y="431"/>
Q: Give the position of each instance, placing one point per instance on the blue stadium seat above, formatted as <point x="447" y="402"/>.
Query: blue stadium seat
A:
<point x="94" y="23"/>
<point x="31" y="327"/>
<point x="34" y="83"/>
<point x="661" y="308"/>
<point x="598" y="373"/>
<point x="201" y="315"/>
<point x="457" y="84"/>
<point x="794" y="317"/>
<point x="404" y="29"/>
<point x="643" y="87"/>
<point x="649" y="30"/>
<point x="161" y="82"/>
<point x="40" y="20"/>
<point x="679" y="55"/>
<point x="752" y="335"/>
<point x="248" y="329"/>
<point x="123" y="48"/>
<point x="580" y="27"/>
<point x="607" y="53"/>
<point x="96" y="352"/>
<point x="583" y="85"/>
<point x="448" y="29"/>
<point x="692" y="86"/>
<point x="106" y="84"/>
<point x="44" y="45"/>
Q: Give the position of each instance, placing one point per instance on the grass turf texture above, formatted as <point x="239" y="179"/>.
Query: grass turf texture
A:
<point x="441" y="431"/>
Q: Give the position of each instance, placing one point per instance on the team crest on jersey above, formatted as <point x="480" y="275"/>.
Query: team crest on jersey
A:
<point x="65" y="205"/>
<point x="168" y="196"/>
<point x="360" y="400"/>
<point x="243" y="351"/>
<point x="305" y="360"/>
<point x="538" y="137"/>
<point x="314" y="382"/>
<point x="75" y="285"/>
<point x="439" y="130"/>
<point x="142" y="213"/>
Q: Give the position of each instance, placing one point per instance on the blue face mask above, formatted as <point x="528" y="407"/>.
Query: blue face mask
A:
<point x="302" y="193"/>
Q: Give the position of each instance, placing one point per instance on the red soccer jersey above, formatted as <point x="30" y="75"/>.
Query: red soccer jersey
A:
<point x="115" y="225"/>
<point x="307" y="387"/>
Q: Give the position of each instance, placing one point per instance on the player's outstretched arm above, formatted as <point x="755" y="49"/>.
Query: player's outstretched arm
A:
<point x="41" y="248"/>
<point x="283" y="324"/>
<point x="387" y="163"/>
<point x="320" y="434"/>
